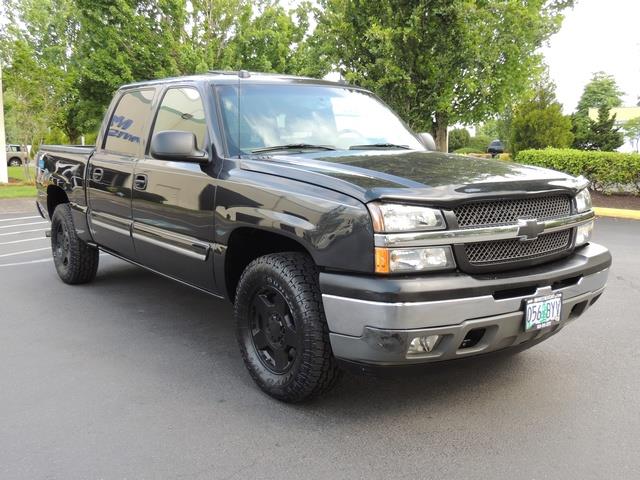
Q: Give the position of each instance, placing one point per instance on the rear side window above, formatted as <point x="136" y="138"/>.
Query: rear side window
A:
<point x="182" y="109"/>
<point x="126" y="128"/>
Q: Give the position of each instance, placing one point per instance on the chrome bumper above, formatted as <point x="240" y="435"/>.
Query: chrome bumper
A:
<point x="380" y="332"/>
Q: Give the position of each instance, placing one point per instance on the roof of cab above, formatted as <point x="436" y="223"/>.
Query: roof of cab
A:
<point x="222" y="77"/>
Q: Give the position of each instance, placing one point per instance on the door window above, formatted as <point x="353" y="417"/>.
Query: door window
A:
<point x="182" y="109"/>
<point x="126" y="128"/>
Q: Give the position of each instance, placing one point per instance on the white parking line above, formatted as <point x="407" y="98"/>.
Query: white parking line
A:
<point x="22" y="224"/>
<point x="24" y="251"/>
<point x="24" y="240"/>
<point x="18" y="218"/>
<point x="42" y="260"/>
<point x="24" y="231"/>
<point x="26" y="263"/>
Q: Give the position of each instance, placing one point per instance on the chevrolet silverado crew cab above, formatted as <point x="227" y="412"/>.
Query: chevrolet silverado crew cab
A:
<point x="339" y="235"/>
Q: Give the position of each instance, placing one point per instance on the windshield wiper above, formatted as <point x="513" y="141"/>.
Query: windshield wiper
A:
<point x="373" y="146"/>
<point x="292" y="146"/>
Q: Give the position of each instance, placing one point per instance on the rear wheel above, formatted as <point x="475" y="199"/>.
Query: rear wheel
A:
<point x="75" y="261"/>
<point x="281" y="327"/>
<point x="15" y="162"/>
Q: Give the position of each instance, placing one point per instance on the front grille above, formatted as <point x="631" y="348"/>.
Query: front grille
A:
<point x="505" y="254"/>
<point x="503" y="251"/>
<point x="502" y="212"/>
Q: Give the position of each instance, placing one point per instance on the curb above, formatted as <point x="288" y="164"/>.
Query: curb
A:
<point x="617" y="213"/>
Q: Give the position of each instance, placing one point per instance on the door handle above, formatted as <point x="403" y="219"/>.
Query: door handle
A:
<point x="97" y="174"/>
<point x="140" y="182"/>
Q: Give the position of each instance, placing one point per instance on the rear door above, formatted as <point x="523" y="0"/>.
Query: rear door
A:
<point x="173" y="201"/>
<point x="110" y="175"/>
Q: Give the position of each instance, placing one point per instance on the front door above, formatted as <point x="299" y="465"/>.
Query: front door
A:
<point x="173" y="201"/>
<point x="110" y="173"/>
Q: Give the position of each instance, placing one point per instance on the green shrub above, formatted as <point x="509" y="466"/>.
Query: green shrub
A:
<point x="458" y="138"/>
<point x="479" y="144"/>
<point x="467" y="150"/>
<point x="607" y="171"/>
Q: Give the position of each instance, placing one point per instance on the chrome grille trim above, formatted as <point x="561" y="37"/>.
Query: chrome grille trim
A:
<point x="475" y="235"/>
<point x="514" y="250"/>
<point x="504" y="212"/>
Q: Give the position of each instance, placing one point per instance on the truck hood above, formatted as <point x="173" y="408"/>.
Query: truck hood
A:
<point x="421" y="176"/>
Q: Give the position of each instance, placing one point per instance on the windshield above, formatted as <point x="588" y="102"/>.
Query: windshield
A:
<point x="303" y="116"/>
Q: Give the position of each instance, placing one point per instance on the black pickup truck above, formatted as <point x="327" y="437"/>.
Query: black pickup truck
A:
<point x="342" y="238"/>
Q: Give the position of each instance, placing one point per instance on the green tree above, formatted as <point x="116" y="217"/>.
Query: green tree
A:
<point x="499" y="128"/>
<point x="603" y="133"/>
<point x="122" y="41"/>
<point x="601" y="91"/>
<point x="439" y="62"/>
<point x="36" y="47"/>
<point x="65" y="58"/>
<point x="268" y="41"/>
<point x="632" y="132"/>
<point x="458" y="138"/>
<point x="539" y="123"/>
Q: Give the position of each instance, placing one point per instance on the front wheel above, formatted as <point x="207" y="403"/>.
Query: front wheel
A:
<point x="75" y="261"/>
<point x="281" y="327"/>
<point x="15" y="162"/>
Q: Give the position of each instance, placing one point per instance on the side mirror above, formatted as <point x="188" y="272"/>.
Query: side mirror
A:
<point x="428" y="141"/>
<point x="177" y="146"/>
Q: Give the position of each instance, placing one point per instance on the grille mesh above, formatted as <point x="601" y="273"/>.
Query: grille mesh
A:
<point x="514" y="250"/>
<point x="501" y="212"/>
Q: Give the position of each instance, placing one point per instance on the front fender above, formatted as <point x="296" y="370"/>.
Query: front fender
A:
<point x="334" y="228"/>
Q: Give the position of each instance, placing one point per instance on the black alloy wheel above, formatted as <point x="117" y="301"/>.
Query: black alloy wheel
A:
<point x="61" y="245"/>
<point x="273" y="330"/>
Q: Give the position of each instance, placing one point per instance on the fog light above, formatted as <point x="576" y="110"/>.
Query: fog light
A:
<point x="583" y="234"/>
<point x="421" y="345"/>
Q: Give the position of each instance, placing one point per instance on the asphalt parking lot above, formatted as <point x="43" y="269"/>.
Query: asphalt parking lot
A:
<point x="137" y="377"/>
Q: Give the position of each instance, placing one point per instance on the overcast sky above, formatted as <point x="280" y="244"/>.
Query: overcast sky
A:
<point x="596" y="35"/>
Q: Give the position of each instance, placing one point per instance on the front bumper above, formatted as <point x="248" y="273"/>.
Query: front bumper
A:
<point x="372" y="320"/>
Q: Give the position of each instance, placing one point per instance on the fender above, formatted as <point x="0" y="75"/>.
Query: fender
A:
<point x="333" y="227"/>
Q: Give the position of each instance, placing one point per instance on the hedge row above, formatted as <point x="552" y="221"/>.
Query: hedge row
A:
<point x="607" y="171"/>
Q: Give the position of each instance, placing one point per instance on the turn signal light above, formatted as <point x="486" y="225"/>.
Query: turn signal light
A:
<point x="382" y="260"/>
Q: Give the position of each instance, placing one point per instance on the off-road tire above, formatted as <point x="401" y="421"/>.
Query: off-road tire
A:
<point x="14" y="162"/>
<point x="76" y="262"/>
<point x="313" y="370"/>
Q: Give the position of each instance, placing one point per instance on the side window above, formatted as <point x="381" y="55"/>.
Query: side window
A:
<point x="126" y="128"/>
<point x="182" y="109"/>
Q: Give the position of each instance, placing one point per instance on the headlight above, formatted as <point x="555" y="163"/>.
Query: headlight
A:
<point x="583" y="233"/>
<point x="583" y="201"/>
<point x="407" y="260"/>
<point x="391" y="217"/>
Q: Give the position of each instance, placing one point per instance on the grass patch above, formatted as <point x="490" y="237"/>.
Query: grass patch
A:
<point x="20" y="186"/>
<point x="18" y="175"/>
<point x="17" y="191"/>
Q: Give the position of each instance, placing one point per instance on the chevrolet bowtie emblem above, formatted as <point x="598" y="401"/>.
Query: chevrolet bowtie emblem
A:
<point x="529" y="229"/>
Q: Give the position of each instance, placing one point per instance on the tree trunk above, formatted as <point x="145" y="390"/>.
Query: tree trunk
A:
<point x="440" y="132"/>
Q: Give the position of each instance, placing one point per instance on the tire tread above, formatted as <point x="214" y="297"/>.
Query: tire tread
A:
<point x="83" y="258"/>
<point x="318" y="372"/>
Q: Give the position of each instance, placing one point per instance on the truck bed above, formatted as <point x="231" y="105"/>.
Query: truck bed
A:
<point x="63" y="166"/>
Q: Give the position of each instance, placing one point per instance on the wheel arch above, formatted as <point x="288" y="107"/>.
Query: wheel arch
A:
<point x="248" y="243"/>
<point x="55" y="196"/>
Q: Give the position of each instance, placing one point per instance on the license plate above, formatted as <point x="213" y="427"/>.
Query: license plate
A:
<point x="540" y="312"/>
